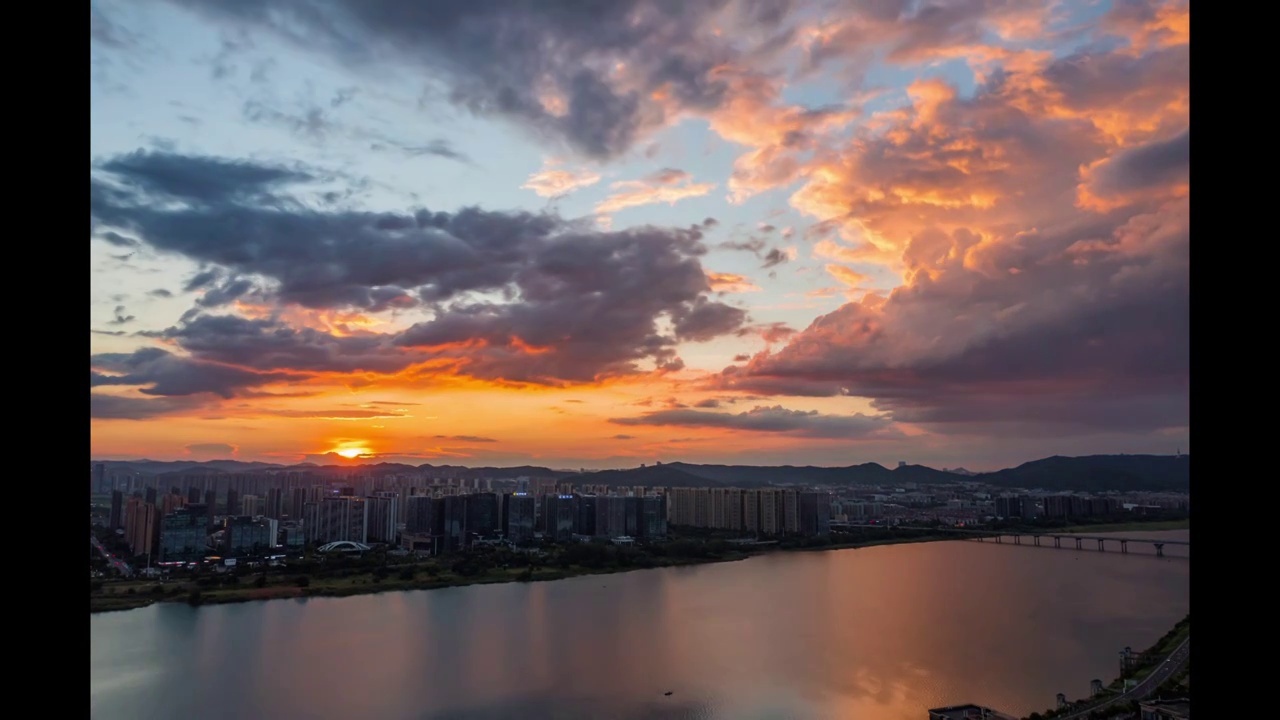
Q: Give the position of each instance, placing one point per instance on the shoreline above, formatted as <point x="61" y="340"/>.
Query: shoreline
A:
<point x="179" y="590"/>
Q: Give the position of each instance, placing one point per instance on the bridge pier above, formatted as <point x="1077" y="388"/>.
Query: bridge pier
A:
<point x="1079" y="544"/>
<point x="998" y="538"/>
<point x="1101" y="546"/>
<point x="1036" y="539"/>
<point x="1057" y="541"/>
<point x="1124" y="546"/>
<point x="1159" y="549"/>
<point x="1017" y="539"/>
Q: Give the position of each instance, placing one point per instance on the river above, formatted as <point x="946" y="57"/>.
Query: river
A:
<point x="880" y="633"/>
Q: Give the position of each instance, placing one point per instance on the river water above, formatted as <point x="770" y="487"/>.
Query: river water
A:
<point x="880" y="633"/>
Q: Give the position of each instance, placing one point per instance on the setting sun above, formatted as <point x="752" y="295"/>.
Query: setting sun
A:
<point x="352" y="453"/>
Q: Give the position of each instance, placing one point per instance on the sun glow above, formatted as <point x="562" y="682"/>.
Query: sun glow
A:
<point x="352" y="453"/>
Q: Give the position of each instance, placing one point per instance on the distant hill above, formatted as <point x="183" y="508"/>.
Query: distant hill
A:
<point x="668" y="475"/>
<point x="1095" y="473"/>
<point x="1092" y="473"/>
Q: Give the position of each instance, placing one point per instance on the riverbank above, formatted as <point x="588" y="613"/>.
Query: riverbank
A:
<point x="1111" y="702"/>
<point x="1162" y="525"/>
<point x="289" y="583"/>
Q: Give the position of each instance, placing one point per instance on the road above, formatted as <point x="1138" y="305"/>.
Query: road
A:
<point x="117" y="563"/>
<point x="1171" y="665"/>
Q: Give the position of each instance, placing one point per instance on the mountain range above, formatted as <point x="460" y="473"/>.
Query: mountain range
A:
<point x="1091" y="473"/>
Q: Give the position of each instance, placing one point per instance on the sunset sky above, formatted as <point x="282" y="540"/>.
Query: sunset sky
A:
<point x="596" y="234"/>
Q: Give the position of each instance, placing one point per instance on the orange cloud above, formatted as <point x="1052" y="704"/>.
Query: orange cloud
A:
<point x="553" y="182"/>
<point x="665" y="186"/>
<point x="729" y="282"/>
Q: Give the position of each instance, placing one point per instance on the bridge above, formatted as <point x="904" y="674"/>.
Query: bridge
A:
<point x="1036" y="537"/>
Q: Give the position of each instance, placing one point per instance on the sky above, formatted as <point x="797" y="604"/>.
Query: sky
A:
<point x="600" y="234"/>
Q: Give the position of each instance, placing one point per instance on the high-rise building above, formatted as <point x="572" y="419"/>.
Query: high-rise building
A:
<point x="519" y="516"/>
<point x="311" y="521"/>
<point x="171" y="502"/>
<point x="98" y="480"/>
<point x="482" y="515"/>
<point x="142" y="528"/>
<point x="233" y="501"/>
<point x="1011" y="506"/>
<point x="275" y="503"/>
<point x="183" y="534"/>
<point x="653" y="517"/>
<point x="248" y="536"/>
<point x="770" y="507"/>
<point x="149" y="496"/>
<point x="815" y="513"/>
<point x="751" y="511"/>
<point x="586" y="524"/>
<point x="298" y="498"/>
<point x="420" y="517"/>
<point x="251" y="506"/>
<point x="790" y="512"/>
<point x="560" y="513"/>
<point x="193" y="495"/>
<point x="116" y="520"/>
<point x="342" y="518"/>
<point x="383" y="511"/>
<point x="210" y="505"/>
<point x="451" y="523"/>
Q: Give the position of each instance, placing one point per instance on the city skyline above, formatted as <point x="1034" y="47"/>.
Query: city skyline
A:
<point x="600" y="235"/>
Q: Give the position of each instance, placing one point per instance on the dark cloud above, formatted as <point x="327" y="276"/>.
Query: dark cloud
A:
<point x="507" y="58"/>
<point x="561" y="303"/>
<point x="708" y="403"/>
<point x="774" y="419"/>
<point x="159" y="372"/>
<point x="120" y="317"/>
<point x="751" y="245"/>
<point x="775" y="257"/>
<point x="118" y="240"/>
<point x="466" y="438"/>
<point x="115" y="407"/>
<point x="621" y="437"/>
<point x="204" y="180"/>
<point x="1154" y="165"/>
<point x="1090" y="334"/>
<point x="741" y="358"/>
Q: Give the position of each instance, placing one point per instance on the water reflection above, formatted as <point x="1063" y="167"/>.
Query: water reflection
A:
<point x="879" y="633"/>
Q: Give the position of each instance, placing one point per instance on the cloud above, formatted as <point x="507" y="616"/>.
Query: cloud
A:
<point x="600" y="77"/>
<point x="664" y="186"/>
<point x="708" y="403"/>
<point x="466" y="438"/>
<point x="1040" y="225"/>
<point x="500" y="288"/>
<point x="730" y="283"/>
<point x="553" y="182"/>
<point x="120" y="317"/>
<point x="776" y="257"/>
<point x="338" y="414"/>
<point x="159" y="372"/>
<point x="621" y="437"/>
<point x="1160" y="168"/>
<point x="116" y="407"/>
<point x="774" y="419"/>
<point x="201" y="179"/>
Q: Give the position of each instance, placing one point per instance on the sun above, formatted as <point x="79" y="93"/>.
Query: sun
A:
<point x="352" y="453"/>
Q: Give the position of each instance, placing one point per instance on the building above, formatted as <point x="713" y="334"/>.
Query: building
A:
<point x="233" y="501"/>
<point x="1012" y="506"/>
<point x="342" y="518"/>
<point x="116" y="519"/>
<point x="298" y="500"/>
<point x="141" y="526"/>
<point x="815" y="513"/>
<point x="247" y="536"/>
<point x="251" y="506"/>
<point x="292" y="537"/>
<point x="184" y="535"/>
<point x="275" y="504"/>
<point x="518" y="514"/>
<point x="586" y="523"/>
<point x="481" y="516"/>
<point x="420" y="515"/>
<point x="383" y="512"/>
<point x="1179" y="709"/>
<point x="210" y="506"/>
<point x="451" y="523"/>
<point x="560" y="514"/>
<point x="653" y="517"/>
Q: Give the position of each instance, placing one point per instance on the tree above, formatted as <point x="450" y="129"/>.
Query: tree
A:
<point x="302" y="581"/>
<point x="261" y="581"/>
<point x="194" y="596"/>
